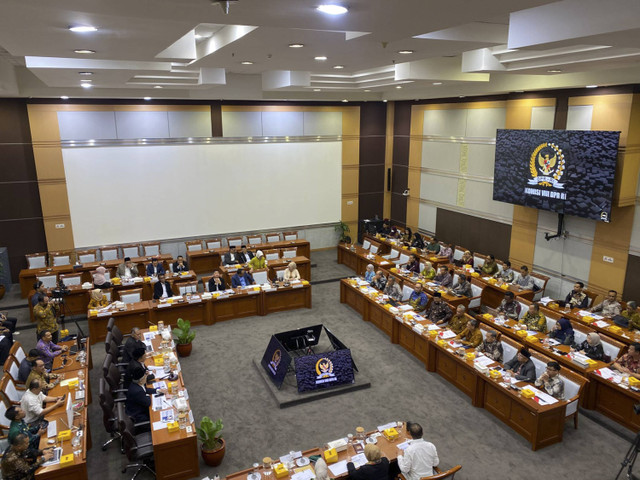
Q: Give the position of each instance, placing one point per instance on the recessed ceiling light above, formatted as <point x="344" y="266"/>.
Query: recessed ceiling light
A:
<point x="158" y="86"/>
<point x="460" y="96"/>
<point x="85" y="73"/>
<point x="405" y="52"/>
<point x="321" y="58"/>
<point x="86" y="85"/>
<point x="84" y="51"/>
<point x="591" y="86"/>
<point x="86" y="80"/>
<point x="385" y="101"/>
<point x="345" y="100"/>
<point x="437" y="83"/>
<point x="554" y="71"/>
<point x="64" y="97"/>
<point x="367" y="90"/>
<point x="338" y="67"/>
<point x="147" y="98"/>
<point x="332" y="9"/>
<point x="316" y="89"/>
<point x="246" y="62"/>
<point x="83" y="28"/>
<point x="296" y="45"/>
<point x="398" y="86"/>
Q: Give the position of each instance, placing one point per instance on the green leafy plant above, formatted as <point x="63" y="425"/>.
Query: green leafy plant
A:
<point x="343" y="229"/>
<point x="183" y="332"/>
<point x="209" y="433"/>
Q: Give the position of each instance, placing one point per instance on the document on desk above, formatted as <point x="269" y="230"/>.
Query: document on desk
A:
<point x="306" y="474"/>
<point x="433" y="326"/>
<point x="602" y="324"/>
<point x="545" y="300"/>
<point x="359" y="460"/>
<point x="158" y="425"/>
<point x="66" y="381"/>
<point x="546" y="399"/>
<point x="338" y="468"/>
<point x="167" y="416"/>
<point x="382" y="428"/>
<point x="148" y="336"/>
<point x="160" y="384"/>
<point x="484" y="361"/>
<point x="606" y="373"/>
<point x="447" y="334"/>
<point x="156" y="403"/>
<point x="402" y="446"/>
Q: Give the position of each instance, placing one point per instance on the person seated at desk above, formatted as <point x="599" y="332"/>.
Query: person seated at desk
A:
<point x="245" y="255"/>
<point x="443" y="277"/>
<point x="27" y="364"/>
<point x="155" y="268"/>
<point x="39" y="372"/>
<point x="534" y="319"/>
<point x="467" y="259"/>
<point x="369" y="273"/>
<point x="379" y="281"/>
<point x="491" y="346"/>
<point x="591" y="347"/>
<point x="407" y="236"/>
<point x="137" y="401"/>
<point x="445" y="251"/>
<point x="429" y="272"/>
<point x="136" y="362"/>
<point x="100" y="279"/>
<point x="40" y="290"/>
<point x="241" y="279"/>
<point x="292" y="273"/>
<point x="550" y="379"/>
<point x="631" y="314"/>
<point x="458" y="322"/>
<point x="392" y="289"/>
<point x="414" y="264"/>
<point x="127" y="269"/>
<point x="576" y="298"/>
<point x="259" y="261"/>
<point x="216" y="283"/>
<point x="509" y="307"/>
<point x="507" y="274"/>
<point x="609" y="307"/>
<point x="45" y="314"/>
<point x="562" y="332"/>
<point x="19" y="463"/>
<point x="322" y="470"/>
<point x="433" y="246"/>
<point x="385" y="229"/>
<point x="490" y="266"/>
<point x="162" y="288"/>
<point x="522" y="366"/>
<point x="97" y="300"/>
<point x="439" y="311"/>
<point x="525" y="281"/>
<point x="419" y="458"/>
<point x="629" y="363"/>
<point x="231" y="257"/>
<point x="180" y="265"/>
<point x="418" y="241"/>
<point x="18" y="426"/>
<point x="463" y="287"/>
<point x="32" y="402"/>
<point x="471" y="336"/>
<point x="133" y="341"/>
<point x="7" y="325"/>
<point x="376" y="468"/>
<point x="48" y="349"/>
<point x="418" y="299"/>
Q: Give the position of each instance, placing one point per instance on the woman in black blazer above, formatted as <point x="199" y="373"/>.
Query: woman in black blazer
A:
<point x="376" y="468"/>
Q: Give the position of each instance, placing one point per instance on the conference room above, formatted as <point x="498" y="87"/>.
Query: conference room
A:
<point x="212" y="186"/>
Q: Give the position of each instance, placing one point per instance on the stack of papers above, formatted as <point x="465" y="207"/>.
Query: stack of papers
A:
<point x="382" y="428"/>
<point x="545" y="300"/>
<point x="484" y="361"/>
<point x="447" y="334"/>
<point x="402" y="446"/>
<point x="602" y="323"/>
<point x="306" y="474"/>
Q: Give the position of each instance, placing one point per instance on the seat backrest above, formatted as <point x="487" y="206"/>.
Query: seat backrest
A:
<point x="366" y="244"/>
<point x="395" y="253"/>
<point x="406" y="292"/>
<point x="37" y="260"/>
<point x="48" y="280"/>
<point x="11" y="366"/>
<point x="71" y="279"/>
<point x="12" y="393"/>
<point x="273" y="237"/>
<point x="404" y="258"/>
<point x="254" y="239"/>
<point x="187" y="287"/>
<point x="271" y="255"/>
<point x="205" y="282"/>
<point x="524" y="308"/>
<point x="290" y="236"/>
<point x="109" y="253"/>
<point x="611" y="350"/>
<point x="457" y="253"/>
<point x="478" y="260"/>
<point x="540" y="365"/>
<point x="131" y="296"/>
<point x="87" y="256"/>
<point x="117" y="335"/>
<point x="61" y="259"/>
<point x="280" y="273"/>
<point x="551" y="323"/>
<point x="110" y="323"/>
<point x="579" y="336"/>
<point x="151" y="249"/>
<point x="234" y="241"/>
<point x="289" y="252"/>
<point x="374" y="248"/>
<point x="213" y="243"/>
<point x="4" y="421"/>
<point x="571" y="389"/>
<point x="193" y="246"/>
<point x="107" y="404"/>
<point x="126" y="429"/>
<point x="132" y="251"/>
<point x="108" y="294"/>
<point x="106" y="364"/>
<point x="508" y="350"/>
<point x="449" y="474"/>
<point x="17" y="351"/>
<point x="260" y="277"/>
<point x="113" y="377"/>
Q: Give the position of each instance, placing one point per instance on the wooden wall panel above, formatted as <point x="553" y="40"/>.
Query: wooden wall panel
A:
<point x="49" y="163"/>
<point x="388" y="158"/>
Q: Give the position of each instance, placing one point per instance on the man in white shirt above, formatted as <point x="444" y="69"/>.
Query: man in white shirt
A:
<point x="32" y="401"/>
<point x="419" y="457"/>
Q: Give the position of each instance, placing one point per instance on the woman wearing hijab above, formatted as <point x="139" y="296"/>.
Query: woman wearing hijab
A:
<point x="291" y="273"/>
<point x="418" y="241"/>
<point x="98" y="300"/>
<point x="99" y="278"/>
<point x="258" y="261"/>
<point x="429" y="272"/>
<point x="369" y="273"/>
<point x="591" y="347"/>
<point x="562" y="332"/>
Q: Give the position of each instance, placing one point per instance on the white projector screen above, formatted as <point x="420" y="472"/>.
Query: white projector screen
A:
<point x="145" y="193"/>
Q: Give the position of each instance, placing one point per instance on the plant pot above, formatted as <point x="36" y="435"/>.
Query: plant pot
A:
<point x="184" y="349"/>
<point x="213" y="458"/>
<point x="2" y="291"/>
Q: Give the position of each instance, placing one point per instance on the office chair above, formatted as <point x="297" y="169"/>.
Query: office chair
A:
<point x="138" y="448"/>
<point x="109" y="416"/>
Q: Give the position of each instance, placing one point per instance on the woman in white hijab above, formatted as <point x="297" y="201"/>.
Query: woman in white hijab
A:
<point x="291" y="273"/>
<point x="258" y="262"/>
<point x="591" y="347"/>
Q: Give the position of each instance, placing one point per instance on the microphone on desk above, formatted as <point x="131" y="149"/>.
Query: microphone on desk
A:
<point x="151" y="323"/>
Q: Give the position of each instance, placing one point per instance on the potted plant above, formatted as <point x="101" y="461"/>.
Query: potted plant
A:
<point x="213" y="446"/>
<point x="343" y="229"/>
<point x="184" y="337"/>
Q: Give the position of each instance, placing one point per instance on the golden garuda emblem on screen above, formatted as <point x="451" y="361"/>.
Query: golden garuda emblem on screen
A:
<point x="547" y="166"/>
<point x="324" y="368"/>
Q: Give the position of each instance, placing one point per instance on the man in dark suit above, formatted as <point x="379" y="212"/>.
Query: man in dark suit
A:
<point x="136" y="363"/>
<point x="180" y="265"/>
<point x="244" y="255"/>
<point x="231" y="257"/>
<point x="242" y="279"/>
<point x="162" y="289"/>
<point x="522" y="366"/>
<point x="155" y="268"/>
<point x="137" y="402"/>
<point x="216" y="283"/>
<point x="133" y="341"/>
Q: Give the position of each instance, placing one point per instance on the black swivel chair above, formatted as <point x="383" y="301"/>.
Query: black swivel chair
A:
<point x="109" y="416"/>
<point x="138" y="448"/>
<point x="110" y="324"/>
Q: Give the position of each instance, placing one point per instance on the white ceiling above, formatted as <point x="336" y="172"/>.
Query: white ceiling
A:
<point x="464" y="47"/>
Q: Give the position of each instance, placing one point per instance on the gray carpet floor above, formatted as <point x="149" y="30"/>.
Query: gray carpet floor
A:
<point x="223" y="383"/>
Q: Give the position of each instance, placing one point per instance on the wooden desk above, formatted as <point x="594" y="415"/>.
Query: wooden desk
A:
<point x="191" y="308"/>
<point x="613" y="401"/>
<point x="175" y="454"/>
<point x="386" y="244"/>
<point x="492" y="295"/>
<point x="303" y="264"/>
<point x="244" y="303"/>
<point x="411" y="280"/>
<point x="132" y="315"/>
<point x="286" y="298"/>
<point x="357" y="258"/>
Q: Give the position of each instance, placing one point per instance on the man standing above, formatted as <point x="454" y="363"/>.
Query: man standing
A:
<point x="162" y="289"/>
<point x="40" y="290"/>
<point x="522" y="366"/>
<point x="551" y="380"/>
<point x="45" y="314"/>
<point x="418" y="299"/>
<point x="439" y="311"/>
<point x="509" y="307"/>
<point x="609" y="307"/>
<point x="32" y="401"/>
<point x="419" y="457"/>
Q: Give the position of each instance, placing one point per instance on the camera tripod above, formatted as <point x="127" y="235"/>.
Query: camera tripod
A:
<point x="630" y="460"/>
